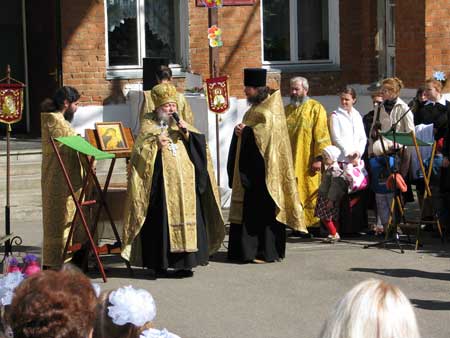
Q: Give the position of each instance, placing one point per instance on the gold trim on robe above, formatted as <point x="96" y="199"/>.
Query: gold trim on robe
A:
<point x="308" y="132"/>
<point x="184" y="109"/>
<point x="268" y="123"/>
<point x="58" y="207"/>
<point x="179" y="185"/>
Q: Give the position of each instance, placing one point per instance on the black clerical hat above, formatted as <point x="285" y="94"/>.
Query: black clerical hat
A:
<point x="255" y="77"/>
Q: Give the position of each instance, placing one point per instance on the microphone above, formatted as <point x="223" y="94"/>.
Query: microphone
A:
<point x="177" y="120"/>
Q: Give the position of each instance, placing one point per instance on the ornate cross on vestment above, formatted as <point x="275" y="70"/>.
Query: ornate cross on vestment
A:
<point x="173" y="148"/>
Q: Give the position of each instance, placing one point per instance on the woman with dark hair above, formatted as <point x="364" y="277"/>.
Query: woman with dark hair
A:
<point x="56" y="304"/>
<point x="347" y="133"/>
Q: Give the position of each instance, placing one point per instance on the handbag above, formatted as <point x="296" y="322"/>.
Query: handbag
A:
<point x="356" y="176"/>
<point x="395" y="180"/>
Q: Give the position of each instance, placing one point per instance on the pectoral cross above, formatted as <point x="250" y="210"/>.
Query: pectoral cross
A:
<point x="173" y="148"/>
<point x="162" y="126"/>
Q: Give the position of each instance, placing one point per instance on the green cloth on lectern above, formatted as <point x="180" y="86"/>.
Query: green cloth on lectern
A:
<point x="79" y="144"/>
<point x="405" y="139"/>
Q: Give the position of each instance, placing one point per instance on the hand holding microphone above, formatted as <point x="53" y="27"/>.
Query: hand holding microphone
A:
<point x="180" y="123"/>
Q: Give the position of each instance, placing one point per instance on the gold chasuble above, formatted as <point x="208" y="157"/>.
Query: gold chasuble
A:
<point x="180" y="194"/>
<point x="58" y="208"/>
<point x="184" y="109"/>
<point x="308" y="132"/>
<point x="268" y="123"/>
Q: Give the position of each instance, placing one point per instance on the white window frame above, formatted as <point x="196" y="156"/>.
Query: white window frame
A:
<point x="333" y="37"/>
<point x="135" y="71"/>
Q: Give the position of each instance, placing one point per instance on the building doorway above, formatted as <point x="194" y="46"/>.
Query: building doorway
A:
<point x="43" y="43"/>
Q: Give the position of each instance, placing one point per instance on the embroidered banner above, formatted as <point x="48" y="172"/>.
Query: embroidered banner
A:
<point x="11" y="102"/>
<point x="217" y="94"/>
<point x="203" y="3"/>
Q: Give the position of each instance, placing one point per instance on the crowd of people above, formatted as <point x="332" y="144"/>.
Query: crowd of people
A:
<point x="293" y="166"/>
<point x="65" y="304"/>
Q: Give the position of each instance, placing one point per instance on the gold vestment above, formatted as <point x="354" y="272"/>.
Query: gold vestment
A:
<point x="268" y="123"/>
<point x="308" y="132"/>
<point x="179" y="171"/>
<point x="58" y="207"/>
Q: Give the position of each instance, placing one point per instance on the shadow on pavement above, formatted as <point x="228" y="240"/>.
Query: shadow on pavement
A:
<point x="431" y="304"/>
<point x="405" y="273"/>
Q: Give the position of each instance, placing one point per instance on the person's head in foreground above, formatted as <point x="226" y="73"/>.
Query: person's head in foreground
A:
<point x="127" y="313"/>
<point x="53" y="304"/>
<point x="372" y="309"/>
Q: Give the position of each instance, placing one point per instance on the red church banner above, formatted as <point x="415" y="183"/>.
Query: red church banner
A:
<point x="217" y="94"/>
<point x="201" y="3"/>
<point x="11" y="102"/>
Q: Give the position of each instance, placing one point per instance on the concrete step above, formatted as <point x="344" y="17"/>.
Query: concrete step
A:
<point x="25" y="171"/>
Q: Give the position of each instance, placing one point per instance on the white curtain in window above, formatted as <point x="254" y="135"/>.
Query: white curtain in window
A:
<point x="160" y="19"/>
<point x="118" y="11"/>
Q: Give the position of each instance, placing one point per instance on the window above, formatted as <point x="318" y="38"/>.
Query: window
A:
<point x="145" y="28"/>
<point x="300" y="32"/>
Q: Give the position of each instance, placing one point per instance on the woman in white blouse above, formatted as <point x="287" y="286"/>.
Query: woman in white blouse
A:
<point x="347" y="128"/>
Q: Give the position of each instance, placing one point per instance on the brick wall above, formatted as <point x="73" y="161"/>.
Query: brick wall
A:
<point x="358" y="27"/>
<point x="437" y="38"/>
<point x="83" y="50"/>
<point x="410" y="41"/>
<point x="241" y="27"/>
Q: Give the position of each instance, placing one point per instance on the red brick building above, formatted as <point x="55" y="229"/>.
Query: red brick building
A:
<point x="98" y="45"/>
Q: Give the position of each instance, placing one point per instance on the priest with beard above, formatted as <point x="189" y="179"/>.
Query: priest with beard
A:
<point x="58" y="208"/>
<point x="173" y="220"/>
<point x="264" y="191"/>
<point x="308" y="131"/>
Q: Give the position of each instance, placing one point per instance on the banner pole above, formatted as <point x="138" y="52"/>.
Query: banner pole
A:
<point x="213" y="19"/>
<point x="8" y="180"/>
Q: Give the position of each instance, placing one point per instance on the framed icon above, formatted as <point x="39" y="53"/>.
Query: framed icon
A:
<point x="111" y="136"/>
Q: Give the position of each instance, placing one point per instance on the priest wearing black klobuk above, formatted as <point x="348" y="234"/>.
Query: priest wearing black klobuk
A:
<point x="261" y="174"/>
<point x="173" y="220"/>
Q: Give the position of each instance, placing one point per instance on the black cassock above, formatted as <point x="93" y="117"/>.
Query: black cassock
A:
<point x="155" y="231"/>
<point x="260" y="236"/>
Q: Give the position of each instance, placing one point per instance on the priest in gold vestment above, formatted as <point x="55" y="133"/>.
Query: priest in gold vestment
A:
<point x="164" y="75"/>
<point x="173" y="220"/>
<point x="264" y="197"/>
<point x="58" y="208"/>
<point x="308" y="131"/>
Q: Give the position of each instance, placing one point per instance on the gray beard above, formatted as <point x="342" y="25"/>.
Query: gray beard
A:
<point x="297" y="100"/>
<point x="162" y="118"/>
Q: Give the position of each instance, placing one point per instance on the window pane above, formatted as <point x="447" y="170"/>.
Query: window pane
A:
<point x="161" y="23"/>
<point x="313" y="29"/>
<point x="276" y="30"/>
<point x="122" y="32"/>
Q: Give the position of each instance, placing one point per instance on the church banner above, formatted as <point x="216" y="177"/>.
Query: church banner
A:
<point x="217" y="94"/>
<point x="219" y="3"/>
<point x="11" y="102"/>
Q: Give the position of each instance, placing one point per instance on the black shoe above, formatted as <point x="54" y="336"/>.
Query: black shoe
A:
<point x="300" y="234"/>
<point x="182" y="274"/>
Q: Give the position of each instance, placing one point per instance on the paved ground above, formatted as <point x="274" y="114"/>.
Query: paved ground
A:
<point x="288" y="299"/>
